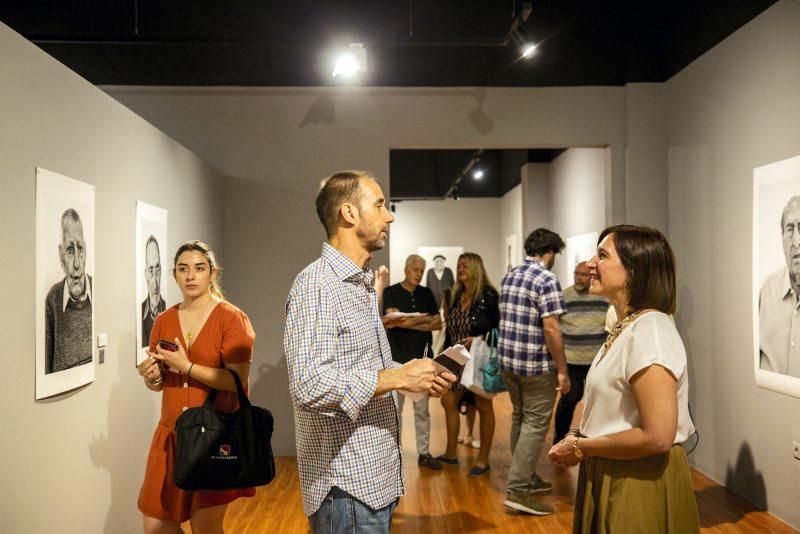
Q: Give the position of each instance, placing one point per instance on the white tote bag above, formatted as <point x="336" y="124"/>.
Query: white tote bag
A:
<point x="472" y="377"/>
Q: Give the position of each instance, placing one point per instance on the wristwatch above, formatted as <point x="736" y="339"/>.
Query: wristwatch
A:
<point x="577" y="450"/>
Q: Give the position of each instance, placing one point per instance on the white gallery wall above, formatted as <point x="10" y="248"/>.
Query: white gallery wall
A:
<point x="511" y="209"/>
<point x="74" y="463"/>
<point x="577" y="196"/>
<point x="535" y="193"/>
<point x="735" y="108"/>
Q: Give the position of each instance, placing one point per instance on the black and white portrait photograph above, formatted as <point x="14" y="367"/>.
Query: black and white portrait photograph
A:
<point x="440" y="268"/>
<point x="64" y="283"/>
<point x="776" y="275"/>
<point x="513" y="251"/>
<point x="151" y="259"/>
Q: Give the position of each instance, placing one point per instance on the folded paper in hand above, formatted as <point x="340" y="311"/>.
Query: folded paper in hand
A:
<point x="397" y="315"/>
<point x="452" y="360"/>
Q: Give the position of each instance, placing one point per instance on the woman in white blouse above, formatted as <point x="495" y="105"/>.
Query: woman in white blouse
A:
<point x="634" y="476"/>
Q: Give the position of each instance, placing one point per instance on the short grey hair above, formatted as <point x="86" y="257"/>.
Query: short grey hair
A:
<point x="414" y="258"/>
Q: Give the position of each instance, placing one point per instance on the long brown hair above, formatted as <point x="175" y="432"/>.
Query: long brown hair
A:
<point x="205" y="250"/>
<point x="477" y="277"/>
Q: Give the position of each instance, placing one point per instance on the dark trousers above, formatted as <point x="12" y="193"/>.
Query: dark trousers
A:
<point x="566" y="404"/>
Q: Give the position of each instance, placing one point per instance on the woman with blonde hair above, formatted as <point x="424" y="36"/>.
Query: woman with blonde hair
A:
<point x="473" y="311"/>
<point x="210" y="335"/>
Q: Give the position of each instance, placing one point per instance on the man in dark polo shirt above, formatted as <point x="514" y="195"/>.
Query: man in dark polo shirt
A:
<point x="408" y="338"/>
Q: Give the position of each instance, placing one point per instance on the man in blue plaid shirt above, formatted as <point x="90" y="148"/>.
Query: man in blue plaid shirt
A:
<point x="532" y="363"/>
<point x="341" y="375"/>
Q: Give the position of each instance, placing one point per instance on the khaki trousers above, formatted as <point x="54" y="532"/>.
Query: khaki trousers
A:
<point x="532" y="398"/>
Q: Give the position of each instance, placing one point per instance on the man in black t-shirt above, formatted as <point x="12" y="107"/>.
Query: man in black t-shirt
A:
<point x="408" y="338"/>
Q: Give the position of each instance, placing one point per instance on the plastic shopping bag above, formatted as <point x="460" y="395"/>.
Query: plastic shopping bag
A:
<point x="472" y="377"/>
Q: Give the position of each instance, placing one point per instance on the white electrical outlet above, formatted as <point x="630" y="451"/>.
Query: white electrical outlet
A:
<point x="796" y="450"/>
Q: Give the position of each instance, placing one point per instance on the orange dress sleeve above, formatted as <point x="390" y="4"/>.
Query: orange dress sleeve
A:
<point x="238" y="337"/>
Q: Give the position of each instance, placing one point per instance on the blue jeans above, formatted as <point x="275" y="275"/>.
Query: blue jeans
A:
<point x="342" y="513"/>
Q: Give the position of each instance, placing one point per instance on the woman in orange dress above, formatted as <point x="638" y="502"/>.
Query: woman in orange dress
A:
<point x="212" y="335"/>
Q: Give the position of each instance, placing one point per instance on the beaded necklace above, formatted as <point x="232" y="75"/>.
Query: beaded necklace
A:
<point x="618" y="328"/>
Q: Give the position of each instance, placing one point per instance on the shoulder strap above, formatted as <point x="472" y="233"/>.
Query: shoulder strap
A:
<point x="243" y="400"/>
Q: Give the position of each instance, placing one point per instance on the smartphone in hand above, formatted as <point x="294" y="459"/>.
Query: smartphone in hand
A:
<point x="446" y="363"/>
<point x="167" y="345"/>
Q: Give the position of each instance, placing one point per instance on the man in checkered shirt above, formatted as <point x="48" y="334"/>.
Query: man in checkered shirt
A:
<point x="341" y="375"/>
<point x="532" y="363"/>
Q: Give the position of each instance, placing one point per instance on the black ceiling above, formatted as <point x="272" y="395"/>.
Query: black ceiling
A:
<point x="434" y="174"/>
<point x="409" y="42"/>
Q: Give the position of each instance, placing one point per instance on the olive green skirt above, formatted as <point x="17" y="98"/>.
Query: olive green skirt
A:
<point x="653" y="495"/>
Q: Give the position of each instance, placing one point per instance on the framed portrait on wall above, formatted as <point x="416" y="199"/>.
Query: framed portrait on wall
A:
<point x="152" y="261"/>
<point x="579" y="248"/>
<point x="513" y="252"/>
<point x="776" y="276"/>
<point x="440" y="268"/>
<point x="65" y="297"/>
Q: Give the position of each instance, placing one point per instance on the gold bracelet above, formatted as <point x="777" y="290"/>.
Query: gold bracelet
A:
<point x="576" y="450"/>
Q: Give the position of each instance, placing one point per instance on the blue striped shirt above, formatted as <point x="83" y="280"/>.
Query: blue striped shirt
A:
<point x="335" y="345"/>
<point x="529" y="293"/>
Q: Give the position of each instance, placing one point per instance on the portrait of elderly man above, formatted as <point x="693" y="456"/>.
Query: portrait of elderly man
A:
<point x="779" y="325"/>
<point x="439" y="278"/>
<point x="154" y="303"/>
<point x="68" y="306"/>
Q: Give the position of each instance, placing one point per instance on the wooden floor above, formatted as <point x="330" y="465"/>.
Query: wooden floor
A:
<point x="449" y="501"/>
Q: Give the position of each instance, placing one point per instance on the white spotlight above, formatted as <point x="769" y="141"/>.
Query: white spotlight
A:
<point x="477" y="174"/>
<point x="351" y="62"/>
<point x="528" y="50"/>
<point x="346" y="65"/>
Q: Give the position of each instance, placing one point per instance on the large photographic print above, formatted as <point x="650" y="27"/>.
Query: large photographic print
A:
<point x="440" y="268"/>
<point x="776" y="276"/>
<point x="151" y="273"/>
<point x="64" y="284"/>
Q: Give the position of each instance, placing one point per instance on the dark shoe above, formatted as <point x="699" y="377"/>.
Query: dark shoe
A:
<point x="477" y="470"/>
<point x="445" y="460"/>
<point x="528" y="504"/>
<point x="540" y="485"/>
<point x="426" y="460"/>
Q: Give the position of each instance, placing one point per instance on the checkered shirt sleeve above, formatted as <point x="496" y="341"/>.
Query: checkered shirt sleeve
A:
<point x="335" y="345"/>
<point x="529" y="293"/>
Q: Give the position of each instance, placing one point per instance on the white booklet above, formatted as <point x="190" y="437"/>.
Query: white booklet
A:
<point x="397" y="314"/>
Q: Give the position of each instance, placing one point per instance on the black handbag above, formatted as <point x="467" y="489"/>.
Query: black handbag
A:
<point x="219" y="451"/>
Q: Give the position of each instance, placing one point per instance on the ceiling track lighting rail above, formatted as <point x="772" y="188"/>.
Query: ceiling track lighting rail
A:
<point x="452" y="192"/>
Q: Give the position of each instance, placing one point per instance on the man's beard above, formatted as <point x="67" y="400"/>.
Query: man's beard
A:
<point x="581" y="287"/>
<point x="374" y="244"/>
<point x="371" y="242"/>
